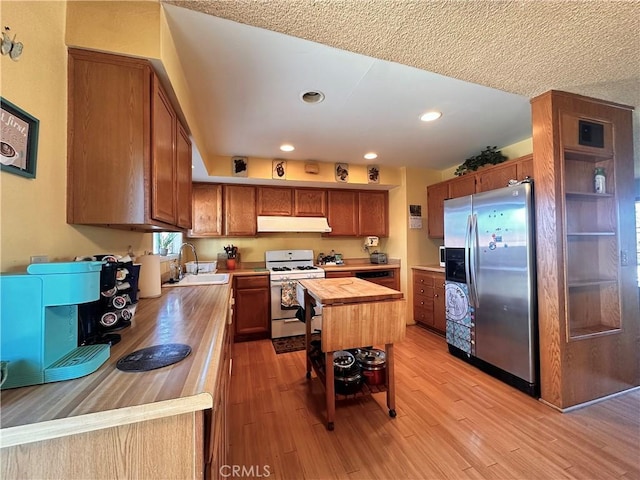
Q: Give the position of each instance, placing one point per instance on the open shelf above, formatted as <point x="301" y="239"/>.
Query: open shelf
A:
<point x="588" y="195"/>
<point x="365" y="389"/>
<point x="591" y="331"/>
<point x="588" y="156"/>
<point x="590" y="283"/>
<point x="590" y="234"/>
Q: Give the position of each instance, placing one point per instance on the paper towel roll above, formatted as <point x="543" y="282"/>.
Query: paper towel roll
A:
<point x="149" y="283"/>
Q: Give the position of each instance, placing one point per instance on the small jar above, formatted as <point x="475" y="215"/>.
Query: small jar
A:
<point x="599" y="180"/>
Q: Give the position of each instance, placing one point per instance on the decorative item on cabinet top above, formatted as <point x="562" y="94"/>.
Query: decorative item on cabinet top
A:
<point x="239" y="166"/>
<point x="342" y="172"/>
<point x="373" y="174"/>
<point x="279" y="169"/>
<point x="489" y="156"/>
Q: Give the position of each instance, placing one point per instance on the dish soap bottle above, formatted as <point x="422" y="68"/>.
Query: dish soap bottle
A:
<point x="599" y="180"/>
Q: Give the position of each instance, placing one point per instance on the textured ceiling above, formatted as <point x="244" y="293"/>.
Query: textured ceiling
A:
<point x="522" y="47"/>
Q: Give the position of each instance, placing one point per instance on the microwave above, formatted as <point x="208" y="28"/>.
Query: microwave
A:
<point x="441" y="256"/>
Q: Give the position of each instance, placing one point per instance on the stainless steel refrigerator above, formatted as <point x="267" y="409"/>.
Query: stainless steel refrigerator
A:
<point x="490" y="286"/>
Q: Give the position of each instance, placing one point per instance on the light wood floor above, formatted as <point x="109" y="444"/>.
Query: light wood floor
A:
<point x="453" y="422"/>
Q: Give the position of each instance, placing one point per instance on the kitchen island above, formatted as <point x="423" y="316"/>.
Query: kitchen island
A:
<point x="355" y="313"/>
<point x="161" y="423"/>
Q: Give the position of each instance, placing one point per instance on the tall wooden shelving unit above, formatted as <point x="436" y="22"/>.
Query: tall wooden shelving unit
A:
<point x="588" y="311"/>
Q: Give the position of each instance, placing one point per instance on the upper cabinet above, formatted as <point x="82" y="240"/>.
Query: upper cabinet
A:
<point x="342" y="212"/>
<point x="240" y="211"/>
<point x="488" y="178"/>
<point x="275" y="201"/>
<point x="129" y="158"/>
<point x="588" y="305"/>
<point x="207" y="210"/>
<point x="310" y="202"/>
<point x="373" y="213"/>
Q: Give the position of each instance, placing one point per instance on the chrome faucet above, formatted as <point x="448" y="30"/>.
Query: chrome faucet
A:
<point x="193" y="249"/>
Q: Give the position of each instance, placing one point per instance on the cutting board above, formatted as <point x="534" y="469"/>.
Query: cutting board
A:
<point x="331" y="291"/>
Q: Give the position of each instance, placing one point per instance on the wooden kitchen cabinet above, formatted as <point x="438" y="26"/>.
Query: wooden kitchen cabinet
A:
<point x="373" y="213"/>
<point x="488" y="178"/>
<point x="207" y="210"/>
<point x="588" y="314"/>
<point x="428" y="300"/>
<point x="240" y="211"/>
<point x="310" y="202"/>
<point x="252" y="308"/>
<point x="127" y="152"/>
<point x="342" y="212"/>
<point x="275" y="201"/>
<point x="356" y="213"/>
<point x="436" y="195"/>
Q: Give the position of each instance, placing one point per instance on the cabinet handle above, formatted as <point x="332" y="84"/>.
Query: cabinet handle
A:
<point x="421" y="303"/>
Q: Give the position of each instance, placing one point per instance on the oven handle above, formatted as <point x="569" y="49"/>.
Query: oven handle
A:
<point x="290" y="320"/>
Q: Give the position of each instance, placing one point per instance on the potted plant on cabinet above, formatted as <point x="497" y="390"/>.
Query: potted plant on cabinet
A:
<point x="489" y="156"/>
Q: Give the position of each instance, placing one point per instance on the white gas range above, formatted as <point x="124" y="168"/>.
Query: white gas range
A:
<point x="285" y="268"/>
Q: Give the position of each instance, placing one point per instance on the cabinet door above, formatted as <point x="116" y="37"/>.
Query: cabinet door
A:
<point x="183" y="178"/>
<point x="310" y="202"/>
<point x="436" y="195"/>
<point x="207" y="210"/>
<point x="373" y="213"/>
<point x="275" y="201"/>
<point x="462" y="186"/>
<point x="163" y="173"/>
<point x="252" y="303"/>
<point x="342" y="212"/>
<point x="240" y="210"/>
<point x="106" y="177"/>
<point x="496" y="177"/>
<point x="439" y="312"/>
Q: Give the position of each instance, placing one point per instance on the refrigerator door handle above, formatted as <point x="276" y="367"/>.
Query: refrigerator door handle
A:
<point x="467" y="259"/>
<point x="473" y="255"/>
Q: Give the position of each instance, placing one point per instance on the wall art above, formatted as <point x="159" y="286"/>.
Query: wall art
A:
<point x="19" y="140"/>
<point x="342" y="172"/>
<point x="279" y="169"/>
<point x="373" y="174"/>
<point x="239" y="166"/>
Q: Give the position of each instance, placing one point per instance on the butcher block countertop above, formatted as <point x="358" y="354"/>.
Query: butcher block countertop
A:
<point x="195" y="316"/>
<point x="429" y="268"/>
<point x="333" y="291"/>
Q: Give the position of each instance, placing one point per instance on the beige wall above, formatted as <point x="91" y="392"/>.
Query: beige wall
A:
<point x="33" y="211"/>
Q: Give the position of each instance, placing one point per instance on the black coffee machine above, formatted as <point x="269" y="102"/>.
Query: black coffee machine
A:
<point x="114" y="310"/>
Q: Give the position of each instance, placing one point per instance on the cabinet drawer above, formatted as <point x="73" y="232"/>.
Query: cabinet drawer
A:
<point x="422" y="315"/>
<point x="424" y="279"/>
<point x="255" y="281"/>
<point x="423" y="302"/>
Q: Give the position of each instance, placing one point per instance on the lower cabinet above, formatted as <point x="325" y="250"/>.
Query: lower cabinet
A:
<point x="428" y="300"/>
<point x="217" y="454"/>
<point x="252" y="316"/>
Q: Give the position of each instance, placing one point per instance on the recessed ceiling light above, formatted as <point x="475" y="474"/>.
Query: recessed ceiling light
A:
<point x="312" y="96"/>
<point x="287" y="148"/>
<point x="430" y="116"/>
<point x="370" y="155"/>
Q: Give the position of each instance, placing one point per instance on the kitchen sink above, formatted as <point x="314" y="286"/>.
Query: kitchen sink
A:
<point x="200" y="279"/>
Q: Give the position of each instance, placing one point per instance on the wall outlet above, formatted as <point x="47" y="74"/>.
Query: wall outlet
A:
<point x="39" y="258"/>
<point x="624" y="258"/>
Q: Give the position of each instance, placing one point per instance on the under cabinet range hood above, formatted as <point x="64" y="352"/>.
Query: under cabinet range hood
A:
<point x="293" y="224"/>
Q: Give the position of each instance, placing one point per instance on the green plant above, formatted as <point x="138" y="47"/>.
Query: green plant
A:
<point x="166" y="240"/>
<point x="489" y="156"/>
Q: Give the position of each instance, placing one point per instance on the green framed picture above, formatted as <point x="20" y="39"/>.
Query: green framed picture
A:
<point x="19" y="140"/>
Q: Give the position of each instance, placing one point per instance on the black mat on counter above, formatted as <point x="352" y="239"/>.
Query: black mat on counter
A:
<point x="291" y="344"/>
<point x="154" y="357"/>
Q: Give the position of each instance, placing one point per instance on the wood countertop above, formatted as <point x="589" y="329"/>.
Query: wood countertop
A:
<point x="332" y="291"/>
<point x="429" y="268"/>
<point x="352" y="267"/>
<point x="195" y="316"/>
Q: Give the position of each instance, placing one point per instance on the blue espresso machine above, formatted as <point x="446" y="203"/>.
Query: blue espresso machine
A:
<point x="39" y="323"/>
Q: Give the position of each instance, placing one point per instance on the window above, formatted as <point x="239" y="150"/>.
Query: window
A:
<point x="169" y="240"/>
